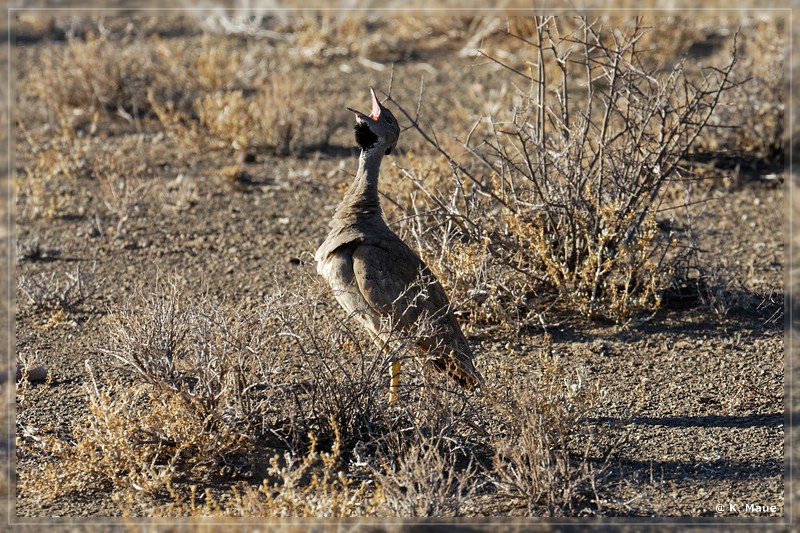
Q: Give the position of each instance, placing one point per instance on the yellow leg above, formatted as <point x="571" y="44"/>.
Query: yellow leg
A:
<point x="394" y="379"/>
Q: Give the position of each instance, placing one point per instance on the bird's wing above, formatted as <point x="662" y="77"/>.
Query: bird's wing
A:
<point x="398" y="284"/>
<point x="389" y="279"/>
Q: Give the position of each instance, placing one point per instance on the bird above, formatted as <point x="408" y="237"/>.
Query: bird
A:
<point x="377" y="278"/>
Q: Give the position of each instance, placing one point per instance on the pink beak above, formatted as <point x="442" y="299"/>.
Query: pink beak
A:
<point x="376" y="107"/>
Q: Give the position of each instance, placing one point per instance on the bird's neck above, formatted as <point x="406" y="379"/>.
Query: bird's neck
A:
<point x="362" y="196"/>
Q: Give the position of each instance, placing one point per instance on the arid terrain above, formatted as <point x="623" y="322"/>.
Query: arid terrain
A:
<point x="174" y="177"/>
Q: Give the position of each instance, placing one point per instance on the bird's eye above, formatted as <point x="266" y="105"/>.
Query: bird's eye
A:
<point x="389" y="120"/>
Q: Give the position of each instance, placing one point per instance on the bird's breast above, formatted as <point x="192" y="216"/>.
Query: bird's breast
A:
<point x="337" y="269"/>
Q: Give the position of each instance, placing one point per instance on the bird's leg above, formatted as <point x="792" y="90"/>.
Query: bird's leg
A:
<point x="394" y="368"/>
<point x="394" y="379"/>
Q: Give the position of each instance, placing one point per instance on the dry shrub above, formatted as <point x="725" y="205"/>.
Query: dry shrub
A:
<point x="310" y="485"/>
<point x="210" y="357"/>
<point x="47" y="187"/>
<point x="99" y="70"/>
<point x="269" y="373"/>
<point x="422" y="477"/>
<point x="380" y="39"/>
<point x="226" y="116"/>
<point x="97" y="74"/>
<point x="133" y="441"/>
<point x="281" y="411"/>
<point x="575" y="172"/>
<point x="228" y="64"/>
<point x="51" y="292"/>
<point x="748" y="122"/>
<point x="226" y="87"/>
<point x="541" y="462"/>
<point x="123" y="192"/>
<point x="70" y="176"/>
<point x="293" y="115"/>
<point x="243" y="101"/>
<point x="341" y="376"/>
<point x="419" y="193"/>
<point x="277" y="118"/>
<point x="197" y="403"/>
<point x="211" y="386"/>
<point x="313" y="486"/>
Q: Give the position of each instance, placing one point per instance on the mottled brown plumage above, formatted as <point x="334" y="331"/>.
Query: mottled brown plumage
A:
<point x="376" y="277"/>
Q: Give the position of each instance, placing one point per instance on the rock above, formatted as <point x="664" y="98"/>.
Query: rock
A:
<point x="35" y="373"/>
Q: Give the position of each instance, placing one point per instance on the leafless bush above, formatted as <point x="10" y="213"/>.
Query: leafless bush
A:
<point x="541" y="459"/>
<point x="271" y="373"/>
<point x="311" y="484"/>
<point x="343" y="374"/>
<point x="32" y="250"/>
<point x="51" y="292"/>
<point x="577" y="172"/>
<point x="196" y="401"/>
<point x="422" y="477"/>
<point x="210" y="357"/>
<point x="209" y="383"/>
<point x="122" y="193"/>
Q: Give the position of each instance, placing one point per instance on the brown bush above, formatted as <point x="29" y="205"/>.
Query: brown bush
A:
<point x="572" y="176"/>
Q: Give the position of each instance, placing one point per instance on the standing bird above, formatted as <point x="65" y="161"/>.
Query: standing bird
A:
<point x="376" y="277"/>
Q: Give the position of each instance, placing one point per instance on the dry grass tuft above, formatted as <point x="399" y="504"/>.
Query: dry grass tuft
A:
<point x="215" y="96"/>
<point x="133" y="443"/>
<point x="308" y="485"/>
<point x="422" y="477"/>
<point x="48" y="188"/>
<point x="378" y="40"/>
<point x="273" y="119"/>
<point x="541" y="461"/>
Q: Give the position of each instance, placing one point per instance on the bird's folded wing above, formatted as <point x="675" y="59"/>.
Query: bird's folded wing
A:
<point x="396" y="283"/>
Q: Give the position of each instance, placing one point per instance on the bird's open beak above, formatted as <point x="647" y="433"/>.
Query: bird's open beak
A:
<point x="376" y="108"/>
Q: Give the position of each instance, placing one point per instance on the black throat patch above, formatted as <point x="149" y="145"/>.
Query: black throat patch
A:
<point x="364" y="136"/>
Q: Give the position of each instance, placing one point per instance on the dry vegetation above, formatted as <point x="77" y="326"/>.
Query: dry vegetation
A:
<point x="575" y="188"/>
<point x="222" y="394"/>
<point x="572" y="194"/>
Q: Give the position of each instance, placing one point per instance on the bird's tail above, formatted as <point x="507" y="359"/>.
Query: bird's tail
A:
<point x="462" y="371"/>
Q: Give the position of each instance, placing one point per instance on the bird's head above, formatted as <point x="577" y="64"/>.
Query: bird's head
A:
<point x="379" y="129"/>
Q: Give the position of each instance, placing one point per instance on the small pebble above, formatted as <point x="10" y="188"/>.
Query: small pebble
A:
<point x="246" y="157"/>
